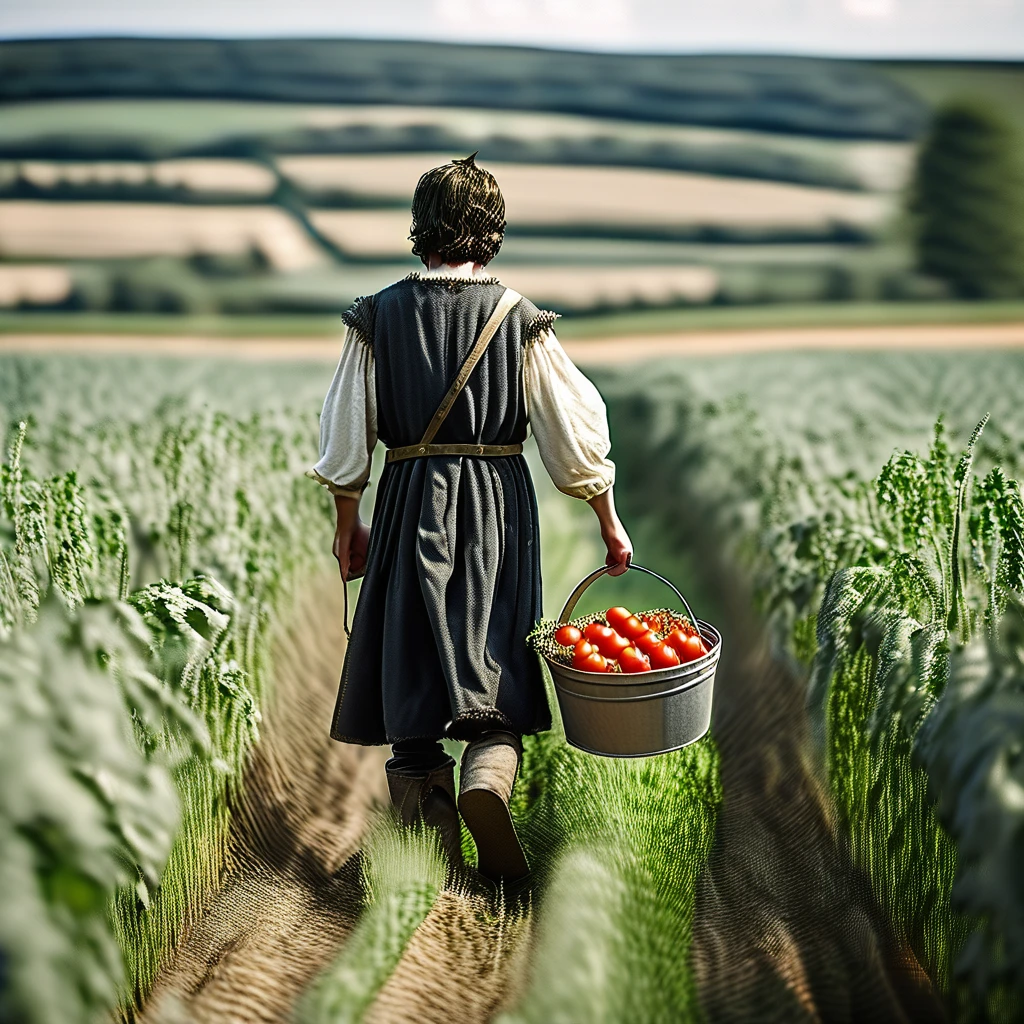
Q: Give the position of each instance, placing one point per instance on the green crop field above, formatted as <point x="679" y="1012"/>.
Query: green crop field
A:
<point x="153" y="545"/>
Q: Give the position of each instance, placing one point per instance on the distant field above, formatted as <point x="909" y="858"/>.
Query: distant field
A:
<point x="781" y="315"/>
<point x="783" y="187"/>
<point x="568" y="288"/>
<point x="40" y="284"/>
<point x="160" y="127"/>
<point x="108" y="230"/>
<point x="195" y="175"/>
<point x="807" y="96"/>
<point x="589" y="251"/>
<point x="579" y="196"/>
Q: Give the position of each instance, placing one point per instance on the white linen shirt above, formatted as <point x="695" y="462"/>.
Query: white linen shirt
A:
<point x="566" y="414"/>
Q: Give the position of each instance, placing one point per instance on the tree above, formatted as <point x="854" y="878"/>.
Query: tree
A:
<point x="967" y="203"/>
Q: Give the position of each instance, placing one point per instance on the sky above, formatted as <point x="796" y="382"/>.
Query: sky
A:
<point x="918" y="28"/>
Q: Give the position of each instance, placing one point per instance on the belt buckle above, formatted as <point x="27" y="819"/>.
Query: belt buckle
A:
<point x="479" y="449"/>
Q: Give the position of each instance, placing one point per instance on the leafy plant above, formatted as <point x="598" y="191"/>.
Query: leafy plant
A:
<point x="192" y="524"/>
<point x="86" y="811"/>
<point x="883" y="587"/>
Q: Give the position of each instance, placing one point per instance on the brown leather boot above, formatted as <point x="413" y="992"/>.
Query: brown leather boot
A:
<point x="489" y="767"/>
<point x="430" y="798"/>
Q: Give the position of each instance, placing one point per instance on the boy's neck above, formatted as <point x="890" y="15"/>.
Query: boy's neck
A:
<point x="434" y="262"/>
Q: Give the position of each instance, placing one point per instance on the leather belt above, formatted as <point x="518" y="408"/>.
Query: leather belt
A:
<point x="419" y="451"/>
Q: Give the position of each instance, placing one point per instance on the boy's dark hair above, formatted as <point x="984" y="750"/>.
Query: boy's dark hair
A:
<point x="458" y="211"/>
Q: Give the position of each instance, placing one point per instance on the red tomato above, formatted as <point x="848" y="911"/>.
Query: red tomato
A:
<point x="568" y="636"/>
<point x="698" y="647"/>
<point x="614" y="645"/>
<point x="663" y="656"/>
<point x="631" y="660"/>
<point x="633" y="627"/>
<point x="689" y="646"/>
<point x="605" y="639"/>
<point x="594" y="662"/>
<point x="646" y="642"/>
<point x="583" y="650"/>
<point x="616" y="617"/>
<point x="677" y="640"/>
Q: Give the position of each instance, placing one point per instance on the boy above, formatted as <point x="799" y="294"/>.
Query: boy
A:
<point x="452" y="560"/>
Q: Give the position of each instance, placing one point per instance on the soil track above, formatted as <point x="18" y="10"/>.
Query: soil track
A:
<point x="293" y="892"/>
<point x="602" y="351"/>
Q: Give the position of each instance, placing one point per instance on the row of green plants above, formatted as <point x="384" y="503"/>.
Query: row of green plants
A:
<point x="897" y="594"/>
<point x="921" y="568"/>
<point x="144" y="562"/>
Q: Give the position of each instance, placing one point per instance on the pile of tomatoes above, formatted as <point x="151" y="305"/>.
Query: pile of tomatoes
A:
<point x="627" y="643"/>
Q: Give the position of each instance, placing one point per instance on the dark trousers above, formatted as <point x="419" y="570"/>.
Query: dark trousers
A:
<point x="420" y="757"/>
<point x="417" y="757"/>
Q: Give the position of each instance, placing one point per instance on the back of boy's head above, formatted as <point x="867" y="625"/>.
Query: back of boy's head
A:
<point x="458" y="212"/>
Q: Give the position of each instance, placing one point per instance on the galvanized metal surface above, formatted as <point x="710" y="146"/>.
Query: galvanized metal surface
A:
<point x="641" y="714"/>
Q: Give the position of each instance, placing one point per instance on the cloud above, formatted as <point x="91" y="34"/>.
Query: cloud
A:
<point x="592" y="20"/>
<point x="870" y="8"/>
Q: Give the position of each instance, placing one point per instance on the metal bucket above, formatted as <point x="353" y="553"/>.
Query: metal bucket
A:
<point x="636" y="714"/>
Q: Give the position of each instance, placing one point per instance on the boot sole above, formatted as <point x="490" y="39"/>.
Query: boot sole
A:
<point x="500" y="857"/>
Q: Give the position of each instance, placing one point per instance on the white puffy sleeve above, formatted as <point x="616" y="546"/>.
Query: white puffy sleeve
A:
<point x="569" y="420"/>
<point x="348" y="422"/>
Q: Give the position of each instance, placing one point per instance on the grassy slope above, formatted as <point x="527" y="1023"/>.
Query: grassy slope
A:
<point x="818" y="97"/>
<point x="1001" y="84"/>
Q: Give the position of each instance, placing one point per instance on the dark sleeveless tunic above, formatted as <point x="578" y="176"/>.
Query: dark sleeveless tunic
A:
<point x="452" y="584"/>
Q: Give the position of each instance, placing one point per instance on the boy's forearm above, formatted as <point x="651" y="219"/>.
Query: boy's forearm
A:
<point x="348" y="512"/>
<point x="604" y="505"/>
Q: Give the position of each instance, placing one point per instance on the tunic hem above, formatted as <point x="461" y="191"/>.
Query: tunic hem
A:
<point x="453" y="732"/>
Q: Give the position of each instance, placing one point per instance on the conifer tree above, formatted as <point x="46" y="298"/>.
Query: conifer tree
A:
<point x="967" y="202"/>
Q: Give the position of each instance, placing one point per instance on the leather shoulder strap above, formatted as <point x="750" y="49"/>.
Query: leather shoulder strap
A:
<point x="505" y="304"/>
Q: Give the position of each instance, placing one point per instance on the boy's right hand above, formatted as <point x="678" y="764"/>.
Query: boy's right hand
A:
<point x="350" y="549"/>
<point x="351" y="537"/>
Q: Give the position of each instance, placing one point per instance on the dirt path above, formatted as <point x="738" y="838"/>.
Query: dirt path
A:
<point x="923" y="337"/>
<point x="292" y="894"/>
<point x="787" y="930"/>
<point x="464" y="964"/>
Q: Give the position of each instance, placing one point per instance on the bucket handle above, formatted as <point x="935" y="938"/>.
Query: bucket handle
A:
<point x="574" y="597"/>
